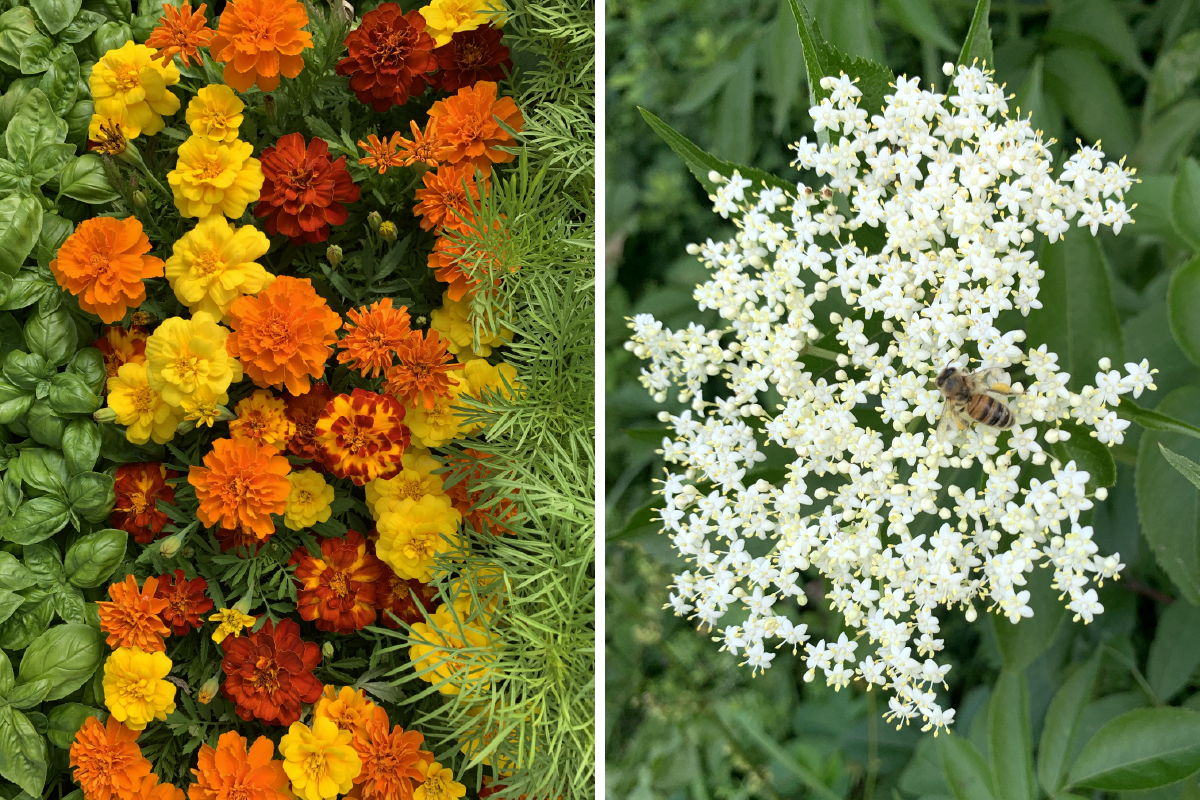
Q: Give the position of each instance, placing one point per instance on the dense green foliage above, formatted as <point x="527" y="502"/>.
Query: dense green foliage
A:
<point x="684" y="721"/>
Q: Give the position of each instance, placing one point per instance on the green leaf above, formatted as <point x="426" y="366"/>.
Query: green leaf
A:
<point x="733" y="136"/>
<point x="1168" y="137"/>
<point x="13" y="574"/>
<point x="52" y="335"/>
<point x="81" y="445"/>
<point x="967" y="774"/>
<point x="10" y="601"/>
<point x="92" y="559"/>
<point x="1156" y="420"/>
<point x="1061" y="727"/>
<point x="1175" y="651"/>
<point x="65" y="720"/>
<point x="71" y="394"/>
<point x="14" y="402"/>
<point x="1099" y="26"/>
<point x="56" y="14"/>
<point x="70" y="605"/>
<point x="1175" y="70"/>
<point x="918" y="18"/>
<point x="83" y="179"/>
<point x="8" y="678"/>
<point x="90" y="495"/>
<point x="1078" y="319"/>
<point x="66" y="655"/>
<point x="44" y="470"/>
<point x="1085" y="89"/>
<point x="20" y="223"/>
<point x="1183" y="299"/>
<point x="28" y="695"/>
<point x="1089" y="454"/>
<point x="822" y="59"/>
<point x="978" y="44"/>
<point x="1142" y="749"/>
<point x="84" y="24"/>
<point x="1010" y="739"/>
<point x="1032" y="99"/>
<point x="22" y="752"/>
<point x="118" y="449"/>
<point x="37" y="54"/>
<point x="1023" y="642"/>
<point x="16" y="25"/>
<point x="45" y="426"/>
<point x="26" y="370"/>
<point x="33" y="127"/>
<point x="29" y="620"/>
<point x="1185" y="203"/>
<point x="36" y="520"/>
<point x="88" y="363"/>
<point x="60" y="83"/>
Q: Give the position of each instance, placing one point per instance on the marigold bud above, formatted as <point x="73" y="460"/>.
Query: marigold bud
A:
<point x="327" y="650"/>
<point x="208" y="691"/>
<point x="139" y="199"/>
<point x="387" y="230"/>
<point x="105" y="414"/>
<point x="333" y="254"/>
<point x="374" y="220"/>
<point x="169" y="546"/>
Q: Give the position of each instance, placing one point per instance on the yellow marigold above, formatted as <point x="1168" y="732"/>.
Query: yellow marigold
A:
<point x="434" y="427"/>
<point x="139" y="408"/>
<point x="308" y="502"/>
<point x="186" y="360"/>
<point x="320" y="761"/>
<point x="129" y="79"/>
<point x="262" y="418"/>
<point x="415" y="480"/>
<point x="415" y="532"/>
<point x="444" y="18"/>
<point x="439" y="784"/>
<point x="451" y="654"/>
<point x="214" y="264"/>
<point x="134" y="689"/>
<point x="350" y="710"/>
<point x="453" y="321"/>
<point x="215" y="113"/>
<point x="215" y="178"/>
<point x="481" y="380"/>
<point x="232" y="621"/>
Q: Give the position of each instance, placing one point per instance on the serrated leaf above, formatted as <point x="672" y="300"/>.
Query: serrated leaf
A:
<point x="822" y="60"/>
<point x="978" y="44"/>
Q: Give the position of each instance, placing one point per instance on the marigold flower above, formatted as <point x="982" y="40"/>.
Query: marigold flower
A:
<point x="186" y="601"/>
<point x="151" y="789"/>
<point x="434" y="427"/>
<point x="470" y="57"/>
<point x="439" y="784"/>
<point x="420" y="377"/>
<point x="138" y="489"/>
<point x="451" y="654"/>
<point x="454" y="321"/>
<point x="337" y="590"/>
<point x="362" y="436"/>
<point x="321" y="761"/>
<point x="106" y="133"/>
<point x="215" y="177"/>
<point x="483" y="382"/>
<point x="208" y="690"/>
<point x="445" y="18"/>
<point x="231" y="539"/>
<point x="187" y="361"/>
<point x="304" y="410"/>
<point x="106" y="761"/>
<point x="269" y="673"/>
<point x="104" y="264"/>
<point x="482" y="514"/>
<point x="231" y="771"/>
<point x="388" y="57"/>
<point x="373" y="334"/>
<point x="139" y="408"/>
<point x="259" y="40"/>
<point x="425" y="146"/>
<point x="309" y="500"/>
<point x="411" y="536"/>
<point x="134" y="689"/>
<point x="403" y="600"/>
<point x="129" y="81"/>
<point x="282" y="337"/>
<point x="304" y="190"/>
<point x="467" y="124"/>
<point x="231" y="622"/>
<point x="120" y="346"/>
<point x="262" y="418"/>
<point x="416" y="479"/>
<point x="181" y="33"/>
<point x="392" y="762"/>
<point x="347" y="708"/>
<point x="381" y="153"/>
<point x="443" y="203"/>
<point x="214" y="264"/>
<point x="241" y="482"/>
<point x="131" y="619"/>
<point x="215" y="113"/>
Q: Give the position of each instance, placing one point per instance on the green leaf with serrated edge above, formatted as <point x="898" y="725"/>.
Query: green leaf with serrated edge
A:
<point x="1175" y="70"/>
<point x="1184" y="466"/>
<point x="1062" y="724"/>
<point x="1175" y="651"/>
<point x="1142" y="749"/>
<point x="822" y="59"/>
<point x="1168" y="137"/>
<point x="1183" y="300"/>
<point x="1009" y="739"/>
<point x="1020" y="643"/>
<point x="967" y="774"/>
<point x="978" y="44"/>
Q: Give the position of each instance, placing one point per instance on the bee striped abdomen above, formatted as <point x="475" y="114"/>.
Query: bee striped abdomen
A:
<point x="987" y="410"/>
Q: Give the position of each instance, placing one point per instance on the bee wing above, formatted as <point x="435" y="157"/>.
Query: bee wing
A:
<point x="949" y="425"/>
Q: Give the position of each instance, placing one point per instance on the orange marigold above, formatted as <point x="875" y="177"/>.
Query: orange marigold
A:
<point x="181" y="33"/>
<point x="350" y="710"/>
<point x="337" y="589"/>
<point x="262" y="418"/>
<point x="104" y="263"/>
<point x="241" y="483"/>
<point x="486" y="515"/>
<point x="120" y="347"/>
<point x="151" y="789"/>
<point x="467" y="123"/>
<point x="421" y="375"/>
<point x="258" y="40"/>
<point x="381" y="153"/>
<point x="231" y="771"/>
<point x="283" y="336"/>
<point x="132" y="618"/>
<point x="362" y="436"/>
<point x="391" y="762"/>
<point x="425" y="147"/>
<point x="373" y="333"/>
<point x="304" y="410"/>
<point x="486" y="261"/>
<point x="107" y="761"/>
<point x="443" y="204"/>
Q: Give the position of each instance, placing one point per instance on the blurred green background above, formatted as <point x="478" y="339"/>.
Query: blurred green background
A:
<point x="682" y="720"/>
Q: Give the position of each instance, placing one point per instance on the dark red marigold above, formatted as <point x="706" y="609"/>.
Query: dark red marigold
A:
<point x="186" y="602"/>
<point x="138" y="488"/>
<point x="230" y="539"/>
<point x="303" y="190"/>
<point x="389" y="56"/>
<point x="303" y="411"/>
<point x="268" y="674"/>
<point x="472" y="56"/>
<point x="394" y="599"/>
<point x="338" y="590"/>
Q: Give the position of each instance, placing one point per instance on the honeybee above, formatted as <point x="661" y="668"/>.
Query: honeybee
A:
<point x="973" y="396"/>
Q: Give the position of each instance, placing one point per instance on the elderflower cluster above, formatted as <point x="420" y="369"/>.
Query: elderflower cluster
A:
<point x="900" y="513"/>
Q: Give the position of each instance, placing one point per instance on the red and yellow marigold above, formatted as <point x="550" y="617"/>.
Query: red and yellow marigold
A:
<point x="138" y="489"/>
<point x="337" y="589"/>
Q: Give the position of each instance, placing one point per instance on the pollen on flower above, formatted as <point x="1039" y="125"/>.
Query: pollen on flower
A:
<point x="941" y="197"/>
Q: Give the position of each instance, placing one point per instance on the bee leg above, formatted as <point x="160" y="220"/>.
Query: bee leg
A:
<point x="1004" y="389"/>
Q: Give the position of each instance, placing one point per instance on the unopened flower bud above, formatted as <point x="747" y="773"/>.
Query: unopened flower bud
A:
<point x="327" y="650"/>
<point x="208" y="691"/>
<point x="139" y="199"/>
<point x="105" y="414"/>
<point x="269" y="107"/>
<point x="333" y="254"/>
<point x="243" y="606"/>
<point x="169" y="546"/>
<point x="374" y="220"/>
<point x="387" y="230"/>
<point x="142" y="319"/>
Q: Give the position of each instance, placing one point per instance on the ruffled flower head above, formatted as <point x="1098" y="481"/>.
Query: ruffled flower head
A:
<point x="241" y="483"/>
<point x="231" y="771"/>
<point x="215" y="113"/>
<point x="268" y="673"/>
<point x="181" y="33"/>
<point x="389" y="55"/>
<point x="131" y="619"/>
<point x="373" y="334"/>
<point x="412" y="536"/>
<point x="439" y="784"/>
<point x="135" y="687"/>
<point x="392" y="761"/>
<point x="421" y="375"/>
<point x="417" y="478"/>
<point x="187" y="362"/>
<point x="347" y="708"/>
<point x="321" y="761"/>
<point x="434" y="427"/>
<point x="455" y="322"/>
<point x="443" y="203"/>
<point x="129" y="83"/>
<point x="284" y="335"/>
<point x="403" y="600"/>
<point x="214" y="264"/>
<point x="304" y="189"/>
<point x="259" y="40"/>
<point x="337" y="589"/>
<point x="215" y="177"/>
<point x="186" y="601"/>
<point x="310" y="500"/>
<point x="445" y="18"/>
<point x="106" y="761"/>
<point x="104" y="264"/>
<point x="467" y="124"/>
<point x="139" y="408"/>
<point x="304" y="410"/>
<point x="138" y="489"/>
<point x="472" y="56"/>
<point x="362" y="436"/>
<point x="452" y="654"/>
<point x="120" y="346"/>
<point x="262" y="418"/>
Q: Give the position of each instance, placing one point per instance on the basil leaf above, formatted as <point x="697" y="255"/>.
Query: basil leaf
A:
<point x="20" y="223"/>
<point x="27" y="288"/>
<point x="45" y="426"/>
<point x="65" y="720"/>
<point x="91" y="560"/>
<point x="88" y="363"/>
<point x="36" y="54"/>
<point x="14" y="575"/>
<point x="78" y="118"/>
<point x="49" y="161"/>
<point x="44" y="562"/>
<point x="56" y="14"/>
<point x="66" y="654"/>
<point x="36" y="521"/>
<point x="84" y="24"/>
<point x="8" y="678"/>
<point x="83" y="179"/>
<point x="90" y="495"/>
<point x="69" y="604"/>
<point x="26" y="370"/>
<point x="110" y="36"/>
<point x="60" y="83"/>
<point x="52" y="335"/>
<point x="70" y="394"/>
<point x="14" y="402"/>
<point x="28" y="695"/>
<point x="29" y="621"/>
<point x="81" y="445"/>
<point x="22" y="752"/>
<point x="16" y="25"/>
<point x="44" y="470"/>
<point x="10" y="601"/>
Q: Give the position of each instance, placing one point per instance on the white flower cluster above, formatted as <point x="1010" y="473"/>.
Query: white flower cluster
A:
<point x="903" y="515"/>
